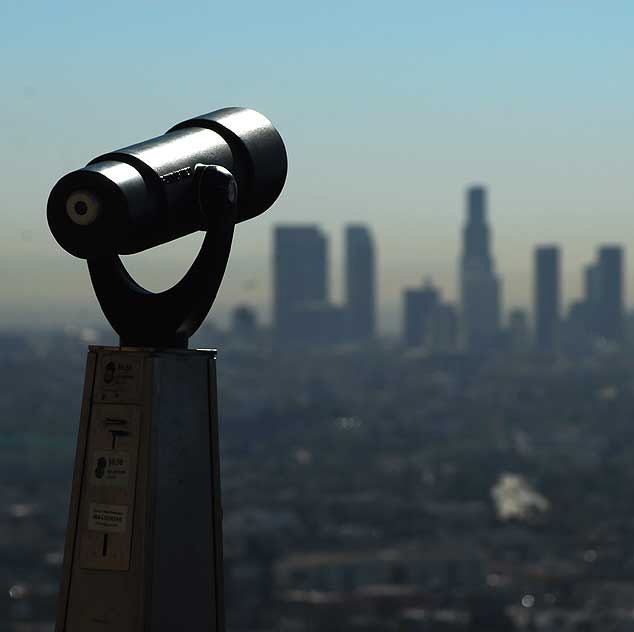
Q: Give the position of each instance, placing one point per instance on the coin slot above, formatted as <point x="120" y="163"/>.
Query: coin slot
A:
<point x="112" y="421"/>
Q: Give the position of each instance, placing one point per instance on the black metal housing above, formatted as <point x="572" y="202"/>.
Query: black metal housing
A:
<point x="146" y="192"/>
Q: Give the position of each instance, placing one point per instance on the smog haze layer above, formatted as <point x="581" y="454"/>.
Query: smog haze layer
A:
<point x="388" y="115"/>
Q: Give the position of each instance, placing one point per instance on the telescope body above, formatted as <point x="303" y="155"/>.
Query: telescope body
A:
<point x="143" y="546"/>
<point x="144" y="195"/>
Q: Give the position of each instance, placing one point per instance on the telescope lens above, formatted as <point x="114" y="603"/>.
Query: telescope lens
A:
<point x="83" y="207"/>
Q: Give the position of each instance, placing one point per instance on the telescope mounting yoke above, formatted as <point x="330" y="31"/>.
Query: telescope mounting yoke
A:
<point x="168" y="319"/>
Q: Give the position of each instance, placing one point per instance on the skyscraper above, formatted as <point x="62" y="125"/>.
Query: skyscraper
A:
<point x="360" y="283"/>
<point x="480" y="293"/>
<point x="609" y="304"/>
<point x="518" y="330"/>
<point x="443" y="328"/>
<point x="583" y="318"/>
<point x="418" y="309"/>
<point x="300" y="277"/>
<point x="244" y="322"/>
<point x="547" y="297"/>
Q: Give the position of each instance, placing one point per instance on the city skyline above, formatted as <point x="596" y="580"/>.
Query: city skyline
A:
<point x="478" y="322"/>
<point x="389" y="316"/>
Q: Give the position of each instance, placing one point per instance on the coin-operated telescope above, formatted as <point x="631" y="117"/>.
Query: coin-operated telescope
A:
<point x="144" y="539"/>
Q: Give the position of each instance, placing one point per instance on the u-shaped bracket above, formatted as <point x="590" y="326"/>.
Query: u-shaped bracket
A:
<point x="168" y="319"/>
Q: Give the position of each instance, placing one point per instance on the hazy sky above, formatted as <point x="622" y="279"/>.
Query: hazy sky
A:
<point x="388" y="111"/>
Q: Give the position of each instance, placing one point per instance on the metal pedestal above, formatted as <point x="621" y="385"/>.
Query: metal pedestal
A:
<point x="144" y="540"/>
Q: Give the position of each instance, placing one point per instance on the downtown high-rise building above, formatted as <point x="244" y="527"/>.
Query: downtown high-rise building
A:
<point x="609" y="303"/>
<point x="419" y="305"/>
<point x="518" y="333"/>
<point x="585" y="313"/>
<point x="359" y="283"/>
<point x="300" y="278"/>
<point x="479" y="285"/>
<point x="547" y="297"/>
<point x="600" y="314"/>
<point x="428" y="322"/>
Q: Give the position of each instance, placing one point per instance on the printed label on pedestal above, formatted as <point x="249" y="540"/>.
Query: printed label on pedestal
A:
<point x="108" y="518"/>
<point x="110" y="469"/>
<point x="119" y="377"/>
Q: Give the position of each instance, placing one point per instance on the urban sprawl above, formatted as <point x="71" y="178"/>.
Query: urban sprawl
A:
<point x="469" y="476"/>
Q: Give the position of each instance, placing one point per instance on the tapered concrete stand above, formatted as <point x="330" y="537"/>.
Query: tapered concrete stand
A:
<point x="144" y="540"/>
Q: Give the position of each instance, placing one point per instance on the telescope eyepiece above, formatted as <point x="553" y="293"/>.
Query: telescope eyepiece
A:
<point x="83" y="207"/>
